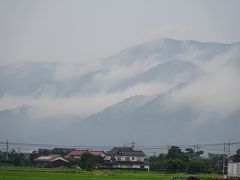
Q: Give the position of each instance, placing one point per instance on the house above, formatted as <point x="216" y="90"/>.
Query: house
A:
<point x="97" y="153"/>
<point x="76" y="154"/>
<point x="126" y="157"/>
<point x="62" y="151"/>
<point x="52" y="160"/>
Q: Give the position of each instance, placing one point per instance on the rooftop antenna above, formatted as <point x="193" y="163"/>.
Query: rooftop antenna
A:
<point x="133" y="145"/>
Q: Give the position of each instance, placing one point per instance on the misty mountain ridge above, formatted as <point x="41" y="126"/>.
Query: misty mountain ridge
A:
<point x="145" y="93"/>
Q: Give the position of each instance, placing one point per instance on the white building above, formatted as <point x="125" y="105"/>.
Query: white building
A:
<point x="126" y="157"/>
<point x="234" y="169"/>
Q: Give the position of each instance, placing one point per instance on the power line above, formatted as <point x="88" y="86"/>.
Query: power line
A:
<point x="149" y="147"/>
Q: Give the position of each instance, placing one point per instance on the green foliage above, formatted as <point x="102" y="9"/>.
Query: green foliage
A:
<point x="236" y="157"/>
<point x="44" y="152"/>
<point x="2" y="156"/>
<point x="174" y="152"/>
<point x="176" y="165"/>
<point x="16" y="159"/>
<point x="32" y="157"/>
<point x="88" y="161"/>
<point x="200" y="165"/>
<point x="178" y="161"/>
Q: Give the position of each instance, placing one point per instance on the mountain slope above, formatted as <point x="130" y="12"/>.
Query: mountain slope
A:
<point x="146" y="93"/>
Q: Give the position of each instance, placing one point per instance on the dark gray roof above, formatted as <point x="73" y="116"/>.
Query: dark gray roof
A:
<point x="124" y="151"/>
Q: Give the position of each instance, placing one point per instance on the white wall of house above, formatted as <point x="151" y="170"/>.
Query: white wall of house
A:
<point x="147" y="167"/>
<point x="132" y="166"/>
<point x="108" y="158"/>
<point x="136" y="166"/>
<point x="133" y="158"/>
<point x="127" y="158"/>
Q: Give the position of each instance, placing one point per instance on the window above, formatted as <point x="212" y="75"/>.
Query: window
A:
<point x="132" y="158"/>
<point x="119" y="159"/>
<point x="127" y="159"/>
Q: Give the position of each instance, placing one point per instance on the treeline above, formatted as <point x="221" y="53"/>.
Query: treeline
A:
<point x="87" y="161"/>
<point x="189" y="161"/>
<point x="17" y="159"/>
<point x="175" y="160"/>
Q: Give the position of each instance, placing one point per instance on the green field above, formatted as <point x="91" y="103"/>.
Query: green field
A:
<point x="13" y="173"/>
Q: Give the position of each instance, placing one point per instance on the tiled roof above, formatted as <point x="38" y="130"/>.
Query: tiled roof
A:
<point x="77" y="152"/>
<point x="48" y="158"/>
<point x="96" y="153"/>
<point x="124" y="151"/>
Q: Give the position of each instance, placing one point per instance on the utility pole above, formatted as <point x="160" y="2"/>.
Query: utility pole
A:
<point x="197" y="147"/>
<point x="194" y="149"/>
<point x="226" y="156"/>
<point x="224" y="159"/>
<point x="229" y="151"/>
<point x="7" y="147"/>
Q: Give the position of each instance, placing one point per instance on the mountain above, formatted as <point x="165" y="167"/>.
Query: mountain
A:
<point x="174" y="71"/>
<point x="153" y="60"/>
<point x="158" y="92"/>
<point x="152" y="122"/>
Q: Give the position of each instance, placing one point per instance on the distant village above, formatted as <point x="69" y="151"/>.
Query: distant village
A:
<point x="175" y="160"/>
<point x="118" y="157"/>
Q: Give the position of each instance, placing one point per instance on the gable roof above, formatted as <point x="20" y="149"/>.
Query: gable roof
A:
<point x="50" y="158"/>
<point x="59" y="158"/>
<point x="124" y="151"/>
<point x="77" y="152"/>
<point x="96" y="153"/>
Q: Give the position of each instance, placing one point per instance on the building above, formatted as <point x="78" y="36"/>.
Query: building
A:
<point x="126" y="157"/>
<point x="62" y="151"/>
<point x="76" y="154"/>
<point x="52" y="160"/>
<point x="234" y="170"/>
<point x="97" y="153"/>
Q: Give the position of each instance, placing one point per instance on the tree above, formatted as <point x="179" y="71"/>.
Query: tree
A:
<point x="175" y="165"/>
<point x="174" y="152"/>
<point x="2" y="157"/>
<point x="89" y="161"/>
<point x="16" y="158"/>
<point x="192" y="154"/>
<point x="158" y="162"/>
<point x="236" y="157"/>
<point x="200" y="165"/>
<point x="32" y="157"/>
<point x="44" y="152"/>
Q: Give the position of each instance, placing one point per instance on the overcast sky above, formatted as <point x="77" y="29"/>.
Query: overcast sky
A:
<point x="78" y="30"/>
<point x="202" y="78"/>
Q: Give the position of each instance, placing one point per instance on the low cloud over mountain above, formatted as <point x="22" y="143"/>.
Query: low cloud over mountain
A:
<point x="147" y="93"/>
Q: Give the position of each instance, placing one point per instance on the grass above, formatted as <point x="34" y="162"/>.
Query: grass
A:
<point x="15" y="173"/>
